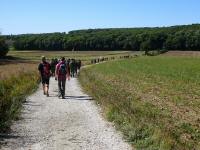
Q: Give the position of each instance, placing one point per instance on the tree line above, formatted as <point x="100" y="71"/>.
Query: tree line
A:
<point x="3" y="47"/>
<point x="185" y="37"/>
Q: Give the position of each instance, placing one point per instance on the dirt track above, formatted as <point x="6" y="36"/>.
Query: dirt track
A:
<point x="74" y="123"/>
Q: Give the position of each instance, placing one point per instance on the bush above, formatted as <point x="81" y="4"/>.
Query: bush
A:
<point x="3" y="47"/>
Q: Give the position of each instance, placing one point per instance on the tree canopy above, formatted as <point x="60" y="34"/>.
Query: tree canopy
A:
<point x="185" y="37"/>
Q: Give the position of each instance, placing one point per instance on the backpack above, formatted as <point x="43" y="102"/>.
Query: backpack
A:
<point x="62" y="70"/>
<point x="46" y="69"/>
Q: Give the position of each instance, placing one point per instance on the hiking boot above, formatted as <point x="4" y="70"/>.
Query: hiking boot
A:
<point x="63" y="96"/>
<point x="47" y="94"/>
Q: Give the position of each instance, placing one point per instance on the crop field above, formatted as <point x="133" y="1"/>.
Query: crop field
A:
<point x="154" y="101"/>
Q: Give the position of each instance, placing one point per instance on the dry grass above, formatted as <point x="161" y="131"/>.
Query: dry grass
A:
<point x="11" y="69"/>
<point x="17" y="80"/>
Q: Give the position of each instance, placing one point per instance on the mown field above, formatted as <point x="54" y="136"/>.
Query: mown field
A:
<point x="154" y="101"/>
<point x="19" y="77"/>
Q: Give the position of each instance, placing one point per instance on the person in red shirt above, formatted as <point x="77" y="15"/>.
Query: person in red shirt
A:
<point x="62" y="73"/>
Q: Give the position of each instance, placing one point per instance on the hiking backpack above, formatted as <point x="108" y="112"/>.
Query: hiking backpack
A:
<point x="62" y="69"/>
<point x="46" y="69"/>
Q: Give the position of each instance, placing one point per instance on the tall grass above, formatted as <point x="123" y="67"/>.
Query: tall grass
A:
<point x="154" y="101"/>
<point x="17" y="81"/>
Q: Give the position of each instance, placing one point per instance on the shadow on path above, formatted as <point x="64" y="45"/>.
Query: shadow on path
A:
<point x="79" y="98"/>
<point x="8" y="136"/>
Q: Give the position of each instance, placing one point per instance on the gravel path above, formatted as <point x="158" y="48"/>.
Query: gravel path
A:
<point x="74" y="123"/>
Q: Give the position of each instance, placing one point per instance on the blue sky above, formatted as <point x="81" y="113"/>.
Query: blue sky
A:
<point x="42" y="16"/>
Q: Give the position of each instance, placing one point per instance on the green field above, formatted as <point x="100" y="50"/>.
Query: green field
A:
<point x="154" y="101"/>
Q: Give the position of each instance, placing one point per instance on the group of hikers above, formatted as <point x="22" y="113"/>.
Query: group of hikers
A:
<point x="102" y="59"/>
<point x="61" y="69"/>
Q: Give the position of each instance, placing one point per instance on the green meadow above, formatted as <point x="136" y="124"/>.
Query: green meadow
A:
<point x="154" y="101"/>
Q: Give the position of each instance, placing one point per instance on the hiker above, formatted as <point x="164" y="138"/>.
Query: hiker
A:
<point x="68" y="65"/>
<point x="44" y="69"/>
<point x="79" y="65"/>
<point x="53" y="66"/>
<point x="76" y="67"/>
<point x="72" y="67"/>
<point x="62" y="73"/>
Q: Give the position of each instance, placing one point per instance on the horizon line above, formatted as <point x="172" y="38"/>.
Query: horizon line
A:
<point x="67" y="32"/>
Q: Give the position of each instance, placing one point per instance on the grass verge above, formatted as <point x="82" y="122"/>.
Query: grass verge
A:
<point x="13" y="91"/>
<point x="154" y="101"/>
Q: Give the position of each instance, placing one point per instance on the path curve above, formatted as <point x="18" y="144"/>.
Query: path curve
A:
<point x="74" y="123"/>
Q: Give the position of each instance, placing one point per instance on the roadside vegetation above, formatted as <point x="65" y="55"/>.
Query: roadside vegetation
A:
<point x="17" y="80"/>
<point x="154" y="101"/>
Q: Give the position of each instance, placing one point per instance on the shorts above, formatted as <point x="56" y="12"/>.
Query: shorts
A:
<point x="45" y="80"/>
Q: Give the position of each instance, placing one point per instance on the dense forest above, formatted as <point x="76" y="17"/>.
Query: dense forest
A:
<point x="185" y="37"/>
<point x="3" y="47"/>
